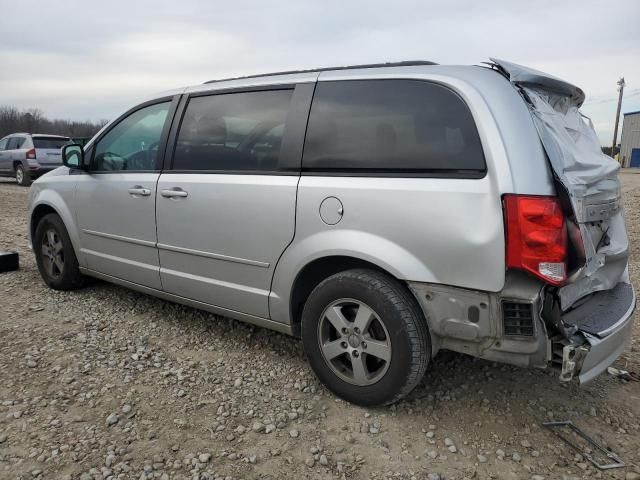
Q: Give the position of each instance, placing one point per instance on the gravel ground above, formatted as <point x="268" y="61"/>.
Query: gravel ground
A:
<point x="109" y="383"/>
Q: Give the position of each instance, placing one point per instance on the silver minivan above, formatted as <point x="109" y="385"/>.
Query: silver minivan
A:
<point x="380" y="212"/>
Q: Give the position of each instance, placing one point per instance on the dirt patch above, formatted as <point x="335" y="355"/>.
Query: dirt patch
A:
<point x="109" y="383"/>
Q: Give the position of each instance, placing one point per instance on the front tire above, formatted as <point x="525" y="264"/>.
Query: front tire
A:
<point x="22" y="176"/>
<point x="365" y="337"/>
<point x="56" y="259"/>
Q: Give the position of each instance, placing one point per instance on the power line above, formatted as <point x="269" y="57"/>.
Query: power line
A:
<point x="632" y="93"/>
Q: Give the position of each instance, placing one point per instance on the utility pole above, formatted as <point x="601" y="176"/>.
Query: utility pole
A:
<point x="615" y="130"/>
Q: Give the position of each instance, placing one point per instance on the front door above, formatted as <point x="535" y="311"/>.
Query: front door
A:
<point x="116" y="199"/>
<point x="226" y="208"/>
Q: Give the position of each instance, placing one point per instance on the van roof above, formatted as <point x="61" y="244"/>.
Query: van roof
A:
<point x="406" y="63"/>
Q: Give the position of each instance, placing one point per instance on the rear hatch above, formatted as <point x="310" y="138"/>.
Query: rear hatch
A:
<point x="587" y="183"/>
<point x="49" y="149"/>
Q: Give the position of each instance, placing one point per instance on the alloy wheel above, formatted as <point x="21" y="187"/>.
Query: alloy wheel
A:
<point x="52" y="253"/>
<point x="354" y="342"/>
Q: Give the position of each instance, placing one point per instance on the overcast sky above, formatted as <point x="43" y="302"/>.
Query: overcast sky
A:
<point x="93" y="59"/>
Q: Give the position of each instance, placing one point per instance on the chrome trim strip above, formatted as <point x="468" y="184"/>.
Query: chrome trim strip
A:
<point x="111" y="236"/>
<point x="243" y="317"/>
<point x="215" y="256"/>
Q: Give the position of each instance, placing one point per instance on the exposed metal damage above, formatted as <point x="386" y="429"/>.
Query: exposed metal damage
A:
<point x="597" y="301"/>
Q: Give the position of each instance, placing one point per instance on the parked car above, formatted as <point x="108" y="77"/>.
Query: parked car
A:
<point x="383" y="213"/>
<point x="26" y="156"/>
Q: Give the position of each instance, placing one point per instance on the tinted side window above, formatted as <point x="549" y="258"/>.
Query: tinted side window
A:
<point x="390" y="126"/>
<point x="233" y="132"/>
<point x="3" y="144"/>
<point x="133" y="143"/>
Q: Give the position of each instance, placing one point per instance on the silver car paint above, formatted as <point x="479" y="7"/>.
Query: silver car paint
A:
<point x="438" y="234"/>
<point x="5" y="157"/>
<point x="461" y="217"/>
<point x="117" y="229"/>
<point x="506" y="131"/>
<point x="221" y="243"/>
<point x="11" y="157"/>
<point x="57" y="192"/>
<point x="399" y="224"/>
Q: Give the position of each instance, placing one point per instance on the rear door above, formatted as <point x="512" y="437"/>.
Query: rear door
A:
<point x="48" y="149"/>
<point x="226" y="207"/>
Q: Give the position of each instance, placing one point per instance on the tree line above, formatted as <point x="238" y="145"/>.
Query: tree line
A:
<point x="33" y="120"/>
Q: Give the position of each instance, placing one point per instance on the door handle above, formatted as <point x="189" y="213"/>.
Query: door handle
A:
<point x="174" y="192"/>
<point x="139" y="190"/>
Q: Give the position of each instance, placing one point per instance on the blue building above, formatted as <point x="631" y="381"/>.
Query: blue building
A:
<point x="630" y="142"/>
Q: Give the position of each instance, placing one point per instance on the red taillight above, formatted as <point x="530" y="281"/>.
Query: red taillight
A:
<point x="31" y="154"/>
<point x="536" y="236"/>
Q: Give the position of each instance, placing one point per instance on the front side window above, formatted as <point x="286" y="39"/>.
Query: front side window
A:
<point x="133" y="144"/>
<point x="233" y="132"/>
<point x="401" y="126"/>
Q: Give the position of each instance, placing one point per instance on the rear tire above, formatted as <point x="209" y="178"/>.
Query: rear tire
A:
<point x="365" y="337"/>
<point x="55" y="256"/>
<point x="22" y="176"/>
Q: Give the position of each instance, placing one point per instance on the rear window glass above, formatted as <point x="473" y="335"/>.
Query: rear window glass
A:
<point x="390" y="126"/>
<point x="52" y="143"/>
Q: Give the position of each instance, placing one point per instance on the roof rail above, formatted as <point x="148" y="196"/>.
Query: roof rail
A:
<point x="406" y="63"/>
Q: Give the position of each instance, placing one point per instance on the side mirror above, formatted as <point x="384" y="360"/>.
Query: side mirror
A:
<point x="73" y="156"/>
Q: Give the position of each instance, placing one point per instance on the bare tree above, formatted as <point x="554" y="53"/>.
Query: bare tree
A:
<point x="13" y="120"/>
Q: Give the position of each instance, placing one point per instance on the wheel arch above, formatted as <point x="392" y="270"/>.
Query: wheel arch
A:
<point x="46" y="202"/>
<point x="331" y="251"/>
<point x="39" y="212"/>
<point x="315" y="272"/>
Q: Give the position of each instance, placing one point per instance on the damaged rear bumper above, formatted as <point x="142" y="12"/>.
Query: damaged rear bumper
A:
<point x="593" y="350"/>
<point x="584" y="340"/>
